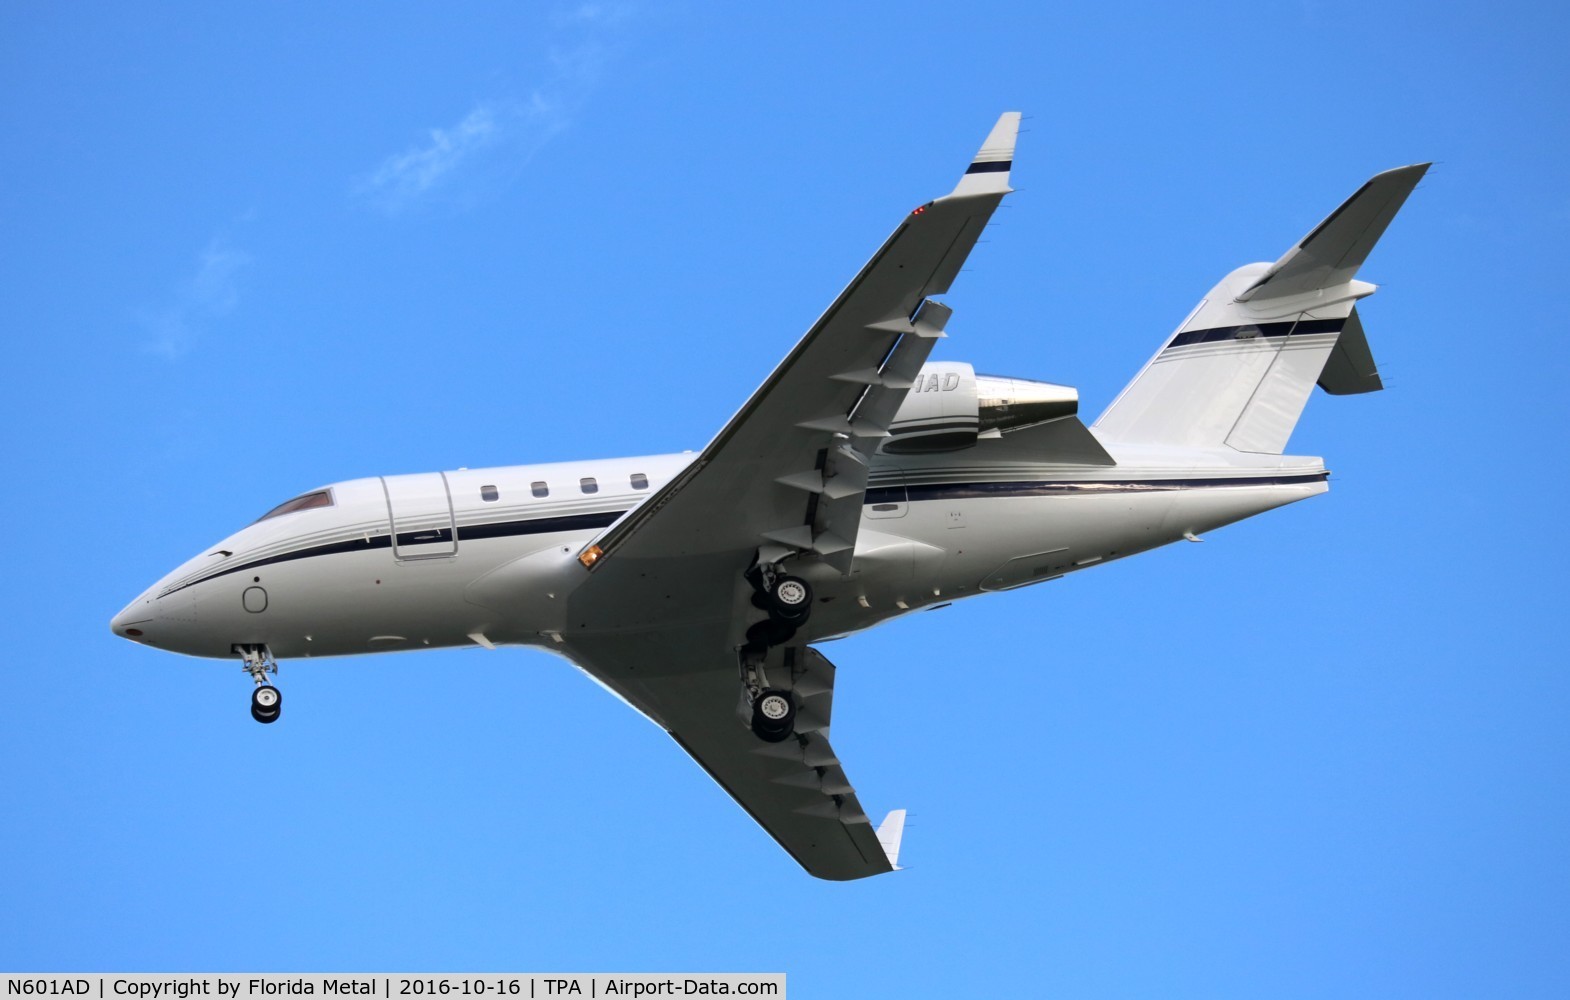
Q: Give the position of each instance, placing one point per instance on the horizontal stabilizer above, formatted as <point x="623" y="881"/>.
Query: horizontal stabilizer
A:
<point x="1332" y="253"/>
<point x="1350" y="369"/>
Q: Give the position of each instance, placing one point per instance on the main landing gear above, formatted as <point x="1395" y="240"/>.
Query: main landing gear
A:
<point x="788" y="601"/>
<point x="773" y="709"/>
<point x="266" y="700"/>
<point x="773" y="716"/>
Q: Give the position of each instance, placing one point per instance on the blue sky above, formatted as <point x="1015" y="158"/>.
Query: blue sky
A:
<point x="253" y="250"/>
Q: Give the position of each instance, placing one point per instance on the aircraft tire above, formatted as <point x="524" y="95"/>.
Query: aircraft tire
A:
<point x="266" y="703"/>
<point x="773" y="716"/>
<point x="770" y="632"/>
<point x="791" y="600"/>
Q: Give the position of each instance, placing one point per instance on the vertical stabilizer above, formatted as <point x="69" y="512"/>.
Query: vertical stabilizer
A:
<point x="1238" y="372"/>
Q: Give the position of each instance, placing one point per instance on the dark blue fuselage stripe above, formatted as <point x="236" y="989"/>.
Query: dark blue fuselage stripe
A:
<point x="993" y="167"/>
<point x="540" y="526"/>
<point x="1252" y="330"/>
<point x="501" y="529"/>
<point x="1044" y="488"/>
<point x="881" y="494"/>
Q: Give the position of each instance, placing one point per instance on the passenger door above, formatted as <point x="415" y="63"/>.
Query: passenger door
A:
<point x="419" y="511"/>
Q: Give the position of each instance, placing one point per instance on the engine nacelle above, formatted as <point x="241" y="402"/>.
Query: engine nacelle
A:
<point x="949" y="407"/>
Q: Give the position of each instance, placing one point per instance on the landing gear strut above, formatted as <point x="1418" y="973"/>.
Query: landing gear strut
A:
<point x="773" y="709"/>
<point x="266" y="700"/>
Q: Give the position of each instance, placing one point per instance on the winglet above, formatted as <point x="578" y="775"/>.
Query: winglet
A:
<point x="890" y="832"/>
<point x="989" y="171"/>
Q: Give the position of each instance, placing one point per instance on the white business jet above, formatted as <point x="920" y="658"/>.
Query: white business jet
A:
<point x="859" y="483"/>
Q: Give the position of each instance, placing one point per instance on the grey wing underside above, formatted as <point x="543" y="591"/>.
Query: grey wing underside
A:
<point x="795" y="790"/>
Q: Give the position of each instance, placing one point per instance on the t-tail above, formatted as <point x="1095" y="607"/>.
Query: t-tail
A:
<point x="1239" y="370"/>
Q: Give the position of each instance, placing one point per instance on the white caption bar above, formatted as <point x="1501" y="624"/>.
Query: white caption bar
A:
<point x="389" y="986"/>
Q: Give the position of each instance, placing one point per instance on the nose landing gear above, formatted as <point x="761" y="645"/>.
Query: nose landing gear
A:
<point x="266" y="700"/>
<point x="266" y="703"/>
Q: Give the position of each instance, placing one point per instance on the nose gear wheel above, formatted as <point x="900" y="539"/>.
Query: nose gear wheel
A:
<point x="266" y="704"/>
<point x="266" y="700"/>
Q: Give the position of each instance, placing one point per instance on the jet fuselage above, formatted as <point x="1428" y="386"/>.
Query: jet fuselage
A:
<point x="487" y="556"/>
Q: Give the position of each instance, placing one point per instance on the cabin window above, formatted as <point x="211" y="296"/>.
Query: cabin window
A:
<point x="321" y="498"/>
<point x="640" y="481"/>
<point x="490" y="494"/>
<point x="588" y="484"/>
<point x="539" y="489"/>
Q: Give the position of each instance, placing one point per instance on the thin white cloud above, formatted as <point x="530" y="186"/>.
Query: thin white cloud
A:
<point x="484" y="149"/>
<point x="210" y="293"/>
<point x="408" y="175"/>
<point x="597" y="13"/>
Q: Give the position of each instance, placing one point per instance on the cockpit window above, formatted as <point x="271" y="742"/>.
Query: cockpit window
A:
<point x="321" y="498"/>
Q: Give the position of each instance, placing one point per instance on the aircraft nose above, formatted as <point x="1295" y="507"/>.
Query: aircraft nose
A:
<point x="131" y="619"/>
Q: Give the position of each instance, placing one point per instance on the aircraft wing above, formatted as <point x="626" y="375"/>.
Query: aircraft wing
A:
<point x="796" y="790"/>
<point x="790" y="468"/>
<point x="663" y="611"/>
